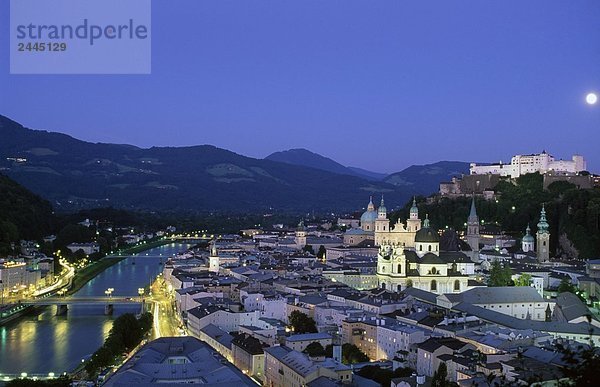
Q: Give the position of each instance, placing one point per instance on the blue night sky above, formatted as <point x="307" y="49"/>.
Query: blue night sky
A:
<point x="375" y="84"/>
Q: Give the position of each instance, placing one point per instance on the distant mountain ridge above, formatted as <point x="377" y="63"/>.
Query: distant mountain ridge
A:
<point x="422" y="179"/>
<point x="306" y="158"/>
<point x="426" y="179"/>
<point x="75" y="174"/>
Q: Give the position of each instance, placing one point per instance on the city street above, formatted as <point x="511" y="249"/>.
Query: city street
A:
<point x="166" y="322"/>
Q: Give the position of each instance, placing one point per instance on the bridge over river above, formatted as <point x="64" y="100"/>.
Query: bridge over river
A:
<point x="62" y="303"/>
<point x="41" y="343"/>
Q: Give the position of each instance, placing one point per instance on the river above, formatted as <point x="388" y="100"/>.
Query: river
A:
<point x="43" y="343"/>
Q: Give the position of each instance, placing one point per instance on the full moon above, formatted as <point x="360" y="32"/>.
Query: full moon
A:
<point x="591" y="98"/>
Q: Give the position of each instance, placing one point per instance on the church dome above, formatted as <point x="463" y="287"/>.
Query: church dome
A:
<point x="368" y="216"/>
<point x="427" y="235"/>
<point x="528" y="237"/>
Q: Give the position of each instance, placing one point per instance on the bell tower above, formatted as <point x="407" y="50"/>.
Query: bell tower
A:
<point x="413" y="224"/>
<point x="543" y="238"/>
<point x="213" y="259"/>
<point x="473" y="227"/>
<point x="301" y="235"/>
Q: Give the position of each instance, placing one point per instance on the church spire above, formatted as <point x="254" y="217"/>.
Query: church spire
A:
<point x="473" y="214"/>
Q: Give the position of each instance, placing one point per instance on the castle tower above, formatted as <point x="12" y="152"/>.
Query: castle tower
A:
<point x="413" y="224"/>
<point x="473" y="227"/>
<point x="300" y="235"/>
<point x="213" y="259"/>
<point x="528" y="242"/>
<point x="543" y="238"/>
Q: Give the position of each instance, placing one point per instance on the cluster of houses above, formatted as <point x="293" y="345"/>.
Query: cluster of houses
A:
<point x="413" y="305"/>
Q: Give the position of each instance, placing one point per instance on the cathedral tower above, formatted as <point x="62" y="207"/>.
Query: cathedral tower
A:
<point x="413" y="224"/>
<point x="300" y="235"/>
<point x="382" y="224"/>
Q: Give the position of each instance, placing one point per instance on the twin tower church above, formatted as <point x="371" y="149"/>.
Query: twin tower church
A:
<point x="410" y="255"/>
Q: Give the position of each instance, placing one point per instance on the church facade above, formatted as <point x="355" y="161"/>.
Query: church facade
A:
<point x="423" y="267"/>
<point x="401" y="234"/>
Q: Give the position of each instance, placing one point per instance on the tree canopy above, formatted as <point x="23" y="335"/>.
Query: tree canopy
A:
<point x="314" y="349"/>
<point x="500" y="275"/>
<point x="302" y="323"/>
<point x="351" y="354"/>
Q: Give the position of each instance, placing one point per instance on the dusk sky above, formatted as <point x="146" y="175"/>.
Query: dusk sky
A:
<point x="375" y="84"/>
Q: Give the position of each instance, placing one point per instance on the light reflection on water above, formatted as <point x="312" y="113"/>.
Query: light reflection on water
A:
<point x="43" y="343"/>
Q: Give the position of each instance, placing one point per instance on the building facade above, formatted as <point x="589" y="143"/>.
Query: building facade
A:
<point x="424" y="267"/>
<point x="523" y="164"/>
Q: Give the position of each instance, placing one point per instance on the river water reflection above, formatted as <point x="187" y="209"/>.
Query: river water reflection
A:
<point x="46" y="343"/>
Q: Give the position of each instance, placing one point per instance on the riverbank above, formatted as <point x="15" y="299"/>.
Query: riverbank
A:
<point x="147" y="245"/>
<point x="49" y="343"/>
<point x="86" y="274"/>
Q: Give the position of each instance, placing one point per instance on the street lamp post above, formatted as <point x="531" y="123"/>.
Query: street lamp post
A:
<point x="109" y="291"/>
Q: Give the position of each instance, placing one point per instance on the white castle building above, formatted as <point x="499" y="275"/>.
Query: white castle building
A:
<point x="523" y="164"/>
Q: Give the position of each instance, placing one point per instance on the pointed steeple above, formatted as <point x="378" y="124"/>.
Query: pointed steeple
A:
<point x="473" y="227"/>
<point x="382" y="204"/>
<point x="473" y="213"/>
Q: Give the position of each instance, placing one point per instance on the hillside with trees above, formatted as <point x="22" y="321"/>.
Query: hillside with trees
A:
<point x="573" y="214"/>
<point x="23" y="215"/>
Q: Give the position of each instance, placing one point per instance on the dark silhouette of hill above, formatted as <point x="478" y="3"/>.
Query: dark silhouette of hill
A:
<point x="75" y="174"/>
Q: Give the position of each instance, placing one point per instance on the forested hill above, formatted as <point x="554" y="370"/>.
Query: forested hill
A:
<point x="75" y="174"/>
<point x="23" y="215"/>
<point x="572" y="213"/>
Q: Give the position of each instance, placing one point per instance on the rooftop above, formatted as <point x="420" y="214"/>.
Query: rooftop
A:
<point x="171" y="360"/>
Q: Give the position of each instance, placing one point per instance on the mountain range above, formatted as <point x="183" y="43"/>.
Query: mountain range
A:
<point x="74" y="174"/>
<point x="306" y="158"/>
<point x="422" y="179"/>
